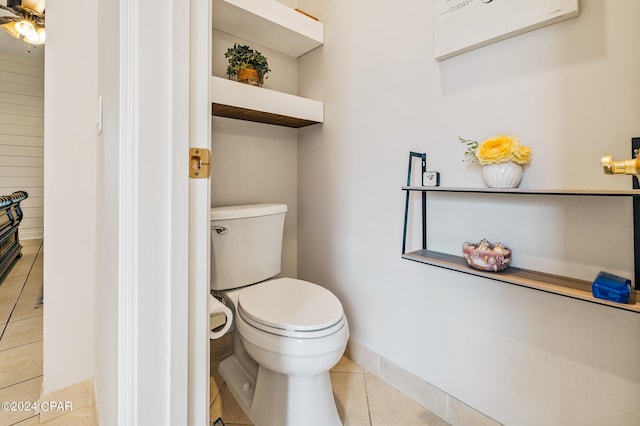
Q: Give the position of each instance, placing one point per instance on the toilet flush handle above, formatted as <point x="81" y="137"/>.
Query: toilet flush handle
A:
<point x="220" y="229"/>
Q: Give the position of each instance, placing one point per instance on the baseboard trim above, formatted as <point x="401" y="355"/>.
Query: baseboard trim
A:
<point x="75" y="401"/>
<point x="30" y="234"/>
<point x="439" y="402"/>
<point x="445" y="406"/>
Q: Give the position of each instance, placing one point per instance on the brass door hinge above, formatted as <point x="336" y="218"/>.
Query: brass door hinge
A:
<point x="199" y="163"/>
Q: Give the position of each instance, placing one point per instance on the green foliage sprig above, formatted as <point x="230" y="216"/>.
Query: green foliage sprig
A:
<point x="470" y="153"/>
<point x="242" y="57"/>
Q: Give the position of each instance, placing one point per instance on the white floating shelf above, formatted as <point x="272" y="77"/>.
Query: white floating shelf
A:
<point x="245" y="102"/>
<point x="270" y="24"/>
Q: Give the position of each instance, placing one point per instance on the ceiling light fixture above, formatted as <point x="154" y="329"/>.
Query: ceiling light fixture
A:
<point x="37" y="37"/>
<point x="25" y="20"/>
<point x="25" y="27"/>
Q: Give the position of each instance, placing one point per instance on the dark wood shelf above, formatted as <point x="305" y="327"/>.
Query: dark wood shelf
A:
<point x="556" y="284"/>
<point x="238" y="113"/>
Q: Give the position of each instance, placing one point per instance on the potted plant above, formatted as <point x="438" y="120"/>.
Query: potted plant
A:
<point x="247" y="65"/>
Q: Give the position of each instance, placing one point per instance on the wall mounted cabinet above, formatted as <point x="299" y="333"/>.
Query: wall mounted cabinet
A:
<point x="565" y="286"/>
<point x="278" y="27"/>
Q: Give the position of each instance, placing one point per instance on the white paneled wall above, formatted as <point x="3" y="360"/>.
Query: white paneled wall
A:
<point x="22" y="136"/>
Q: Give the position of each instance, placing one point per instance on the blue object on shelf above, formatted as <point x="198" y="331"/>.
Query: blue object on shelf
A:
<point x="611" y="287"/>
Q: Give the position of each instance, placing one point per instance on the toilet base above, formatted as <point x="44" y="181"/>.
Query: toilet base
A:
<point x="275" y="399"/>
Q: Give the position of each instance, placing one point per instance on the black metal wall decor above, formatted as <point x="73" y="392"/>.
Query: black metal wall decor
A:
<point x="423" y="157"/>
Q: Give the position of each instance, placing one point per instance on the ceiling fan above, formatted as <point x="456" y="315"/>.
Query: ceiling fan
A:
<point x="25" y="20"/>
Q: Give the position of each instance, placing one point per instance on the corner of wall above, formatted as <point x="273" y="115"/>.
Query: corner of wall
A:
<point x="76" y="403"/>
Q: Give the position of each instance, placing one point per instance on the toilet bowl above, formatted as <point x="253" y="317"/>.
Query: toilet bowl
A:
<point x="282" y="328"/>
<point x="289" y="332"/>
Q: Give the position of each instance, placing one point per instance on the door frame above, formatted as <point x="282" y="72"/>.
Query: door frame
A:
<point x="163" y="375"/>
<point x="199" y="216"/>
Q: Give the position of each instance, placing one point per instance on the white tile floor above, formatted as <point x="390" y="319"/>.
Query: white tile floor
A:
<point x="362" y="399"/>
<point x="21" y="334"/>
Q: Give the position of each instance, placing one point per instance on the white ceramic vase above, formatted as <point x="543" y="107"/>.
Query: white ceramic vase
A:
<point x="502" y="175"/>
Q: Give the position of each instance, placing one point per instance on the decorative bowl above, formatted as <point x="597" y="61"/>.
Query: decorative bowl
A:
<point x="486" y="256"/>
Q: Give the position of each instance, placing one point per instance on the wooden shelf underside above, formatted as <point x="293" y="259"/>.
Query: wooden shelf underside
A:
<point x="556" y="284"/>
<point x="238" y="113"/>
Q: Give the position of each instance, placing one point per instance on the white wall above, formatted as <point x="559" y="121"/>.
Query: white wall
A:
<point x="255" y="162"/>
<point x="107" y="204"/>
<point x="22" y="135"/>
<point x="70" y="201"/>
<point x="570" y="92"/>
<point x="116" y="275"/>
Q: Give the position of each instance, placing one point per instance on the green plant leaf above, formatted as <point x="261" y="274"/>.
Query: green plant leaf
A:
<point x="242" y="57"/>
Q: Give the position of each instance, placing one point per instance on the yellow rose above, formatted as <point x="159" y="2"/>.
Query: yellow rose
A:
<point x="522" y="155"/>
<point x="497" y="149"/>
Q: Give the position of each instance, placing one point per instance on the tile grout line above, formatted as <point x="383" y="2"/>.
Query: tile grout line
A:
<point x="15" y="303"/>
<point x="24" y="420"/>
<point x="20" y="382"/>
<point x="24" y="344"/>
<point x="366" y="395"/>
<point x="2" y="334"/>
<point x="24" y="284"/>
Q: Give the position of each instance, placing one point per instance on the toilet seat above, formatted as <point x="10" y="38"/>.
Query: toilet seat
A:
<point x="291" y="308"/>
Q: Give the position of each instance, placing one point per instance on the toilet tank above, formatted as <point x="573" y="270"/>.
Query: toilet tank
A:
<point x="246" y="244"/>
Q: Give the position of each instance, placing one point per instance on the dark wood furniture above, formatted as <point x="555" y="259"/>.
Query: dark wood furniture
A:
<point x="10" y="218"/>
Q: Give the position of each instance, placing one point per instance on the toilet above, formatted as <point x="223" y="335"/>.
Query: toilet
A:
<point x="289" y="332"/>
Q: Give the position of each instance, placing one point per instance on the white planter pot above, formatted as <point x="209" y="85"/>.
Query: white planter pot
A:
<point x="502" y="175"/>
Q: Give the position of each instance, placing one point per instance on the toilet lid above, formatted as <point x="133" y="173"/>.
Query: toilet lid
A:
<point x="291" y="307"/>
